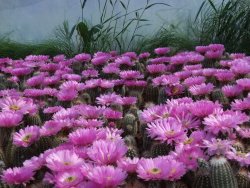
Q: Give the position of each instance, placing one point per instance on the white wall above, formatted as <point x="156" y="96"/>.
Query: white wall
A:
<point x="34" y="20"/>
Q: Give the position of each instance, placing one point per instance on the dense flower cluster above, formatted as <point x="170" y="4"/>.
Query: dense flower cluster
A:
<point x="111" y="120"/>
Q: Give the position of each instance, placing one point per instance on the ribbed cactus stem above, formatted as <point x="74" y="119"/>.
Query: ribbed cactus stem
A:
<point x="221" y="173"/>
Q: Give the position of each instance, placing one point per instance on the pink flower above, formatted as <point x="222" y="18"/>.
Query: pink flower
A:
<point x="208" y="72"/>
<point x="243" y="132"/>
<point x="165" y="80"/>
<point x="241" y="104"/>
<point x="124" y="60"/>
<point x="183" y="74"/>
<point x="132" y="55"/>
<point x="156" y="68"/>
<point x="211" y="54"/>
<point x="90" y="73"/>
<point x="178" y="59"/>
<point x="217" y="146"/>
<point x="130" y="74"/>
<point x="107" y="176"/>
<point x="111" y="69"/>
<point x="112" y="114"/>
<point x="51" y="127"/>
<point x="240" y="67"/>
<point x="224" y="75"/>
<point x="20" y="105"/>
<point x="201" y="89"/>
<point x="108" y="99"/>
<point x="26" y="137"/>
<point x="244" y="83"/>
<point x="196" y="80"/>
<point x="201" y="49"/>
<point x="59" y="58"/>
<point x="237" y="55"/>
<point x="100" y="60"/>
<point x="82" y="57"/>
<point x="37" y="58"/>
<point x="10" y="119"/>
<point x="67" y="94"/>
<point x="242" y="158"/>
<point x="152" y="169"/>
<point x="52" y="110"/>
<point x="127" y="164"/>
<point x="231" y="90"/>
<point x="17" y="175"/>
<point x="73" y="77"/>
<point x="107" y="152"/>
<point x="35" y="163"/>
<point x="35" y="80"/>
<point x="203" y="108"/>
<point x="128" y="100"/>
<point x="159" y="60"/>
<point x="82" y="136"/>
<point x="162" y="51"/>
<point x="144" y="55"/>
<point x="63" y="160"/>
<point x="216" y="47"/>
<point x="220" y="123"/>
<point x="169" y="130"/>
<point x="192" y="67"/>
<point x="68" y="179"/>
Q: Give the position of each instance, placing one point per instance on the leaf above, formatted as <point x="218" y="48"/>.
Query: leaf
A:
<point x="153" y="4"/>
<point x="83" y="31"/>
<point x="123" y="5"/>
<point x="212" y="5"/>
<point x="199" y="11"/>
<point x="111" y="2"/>
<point x="72" y="31"/>
<point x="119" y="44"/>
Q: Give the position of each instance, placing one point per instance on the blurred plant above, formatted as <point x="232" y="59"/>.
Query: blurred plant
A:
<point x="227" y="23"/>
<point x="118" y="26"/>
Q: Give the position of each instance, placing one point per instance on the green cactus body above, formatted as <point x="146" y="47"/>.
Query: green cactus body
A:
<point x="43" y="144"/>
<point x="202" y="181"/>
<point x="131" y="153"/>
<point x="20" y="154"/>
<point x="33" y="120"/>
<point x="243" y="180"/>
<point x="217" y="95"/>
<point x="159" y="149"/>
<point x="3" y="185"/>
<point x="162" y="96"/>
<point x="129" y="125"/>
<point x="150" y="94"/>
<point x="221" y="173"/>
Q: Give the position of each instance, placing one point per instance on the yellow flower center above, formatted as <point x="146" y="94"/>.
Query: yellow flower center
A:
<point x="27" y="138"/>
<point x="166" y="115"/>
<point x="173" y="171"/>
<point x="241" y="154"/>
<point x="15" y="107"/>
<point x="175" y="90"/>
<point x="155" y="171"/>
<point x="189" y="141"/>
<point x="67" y="163"/>
<point x="171" y="132"/>
<point x="70" y="179"/>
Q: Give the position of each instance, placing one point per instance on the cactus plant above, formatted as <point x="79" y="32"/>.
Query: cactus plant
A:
<point x="221" y="173"/>
<point x="129" y="124"/>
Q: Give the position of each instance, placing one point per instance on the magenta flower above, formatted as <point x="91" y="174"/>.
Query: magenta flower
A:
<point x="178" y="59"/>
<point x="35" y="80"/>
<point x="144" y="55"/>
<point x="156" y="68"/>
<point x="168" y="130"/>
<point x="224" y="75"/>
<point x="63" y="160"/>
<point x="217" y="146"/>
<point x="152" y="169"/>
<point x="35" y="163"/>
<point x="67" y="95"/>
<point x="128" y="101"/>
<point x="244" y="83"/>
<point x="192" y="67"/>
<point x="201" y="89"/>
<point x="210" y="54"/>
<point x="162" y="51"/>
<point x="107" y="152"/>
<point x="58" y="58"/>
<point x="90" y="73"/>
<point x="159" y="60"/>
<point x="220" y="123"/>
<point x="241" y="104"/>
<point x="183" y="74"/>
<point x="37" y="58"/>
<point x="130" y="74"/>
<point x="108" y="99"/>
<point x="112" y="114"/>
<point x="201" y="49"/>
<point x="17" y="175"/>
<point x="68" y="179"/>
<point x="111" y="69"/>
<point x="237" y="55"/>
<point x="82" y="136"/>
<point x="231" y="90"/>
<point x="100" y="60"/>
<point x="51" y="127"/>
<point x="124" y="60"/>
<point x="203" y="108"/>
<point x="197" y="80"/>
<point x="127" y="164"/>
<point x="21" y="105"/>
<point x="26" y="137"/>
<point x="107" y="176"/>
<point x="242" y="158"/>
<point x="82" y="57"/>
<point x="10" y="119"/>
<point x="208" y="72"/>
<point x="240" y="67"/>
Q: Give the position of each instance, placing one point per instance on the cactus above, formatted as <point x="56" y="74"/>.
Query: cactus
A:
<point x="202" y="181"/>
<point x="3" y="185"/>
<point x="217" y="95"/>
<point x="162" y="97"/>
<point x="43" y="144"/>
<point x="129" y="125"/>
<point x="242" y="179"/>
<point x="221" y="173"/>
<point x="20" y="154"/>
<point x="33" y="120"/>
<point x="131" y="153"/>
<point x="150" y="94"/>
<point x="5" y="137"/>
<point x="159" y="149"/>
